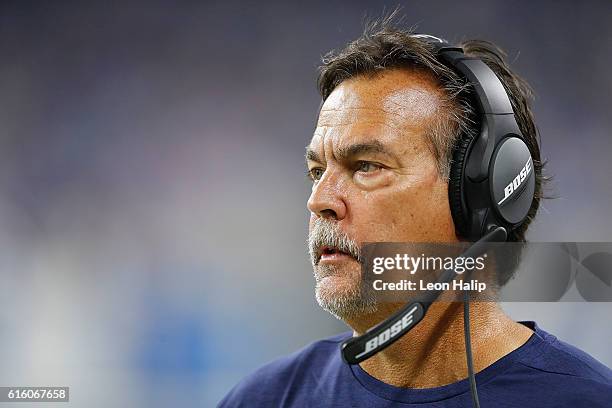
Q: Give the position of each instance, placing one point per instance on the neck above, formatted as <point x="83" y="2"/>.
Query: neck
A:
<point x="432" y="354"/>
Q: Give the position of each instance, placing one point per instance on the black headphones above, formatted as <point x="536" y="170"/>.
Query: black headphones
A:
<point x="492" y="179"/>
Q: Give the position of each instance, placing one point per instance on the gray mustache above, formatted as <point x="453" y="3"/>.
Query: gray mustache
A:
<point x="327" y="233"/>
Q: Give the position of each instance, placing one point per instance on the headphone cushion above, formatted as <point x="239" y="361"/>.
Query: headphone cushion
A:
<point x="455" y="186"/>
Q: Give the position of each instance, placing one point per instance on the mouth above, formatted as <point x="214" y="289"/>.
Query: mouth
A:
<point x="330" y="254"/>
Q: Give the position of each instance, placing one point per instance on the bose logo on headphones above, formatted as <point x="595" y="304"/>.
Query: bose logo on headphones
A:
<point x="405" y="322"/>
<point x="517" y="181"/>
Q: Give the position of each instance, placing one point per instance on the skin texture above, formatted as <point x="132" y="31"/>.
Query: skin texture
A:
<point x="390" y="190"/>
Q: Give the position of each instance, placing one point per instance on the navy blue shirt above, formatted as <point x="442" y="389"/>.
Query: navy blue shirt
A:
<point x="544" y="372"/>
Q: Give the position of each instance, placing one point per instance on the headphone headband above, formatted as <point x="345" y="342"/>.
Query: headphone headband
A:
<point x="491" y="93"/>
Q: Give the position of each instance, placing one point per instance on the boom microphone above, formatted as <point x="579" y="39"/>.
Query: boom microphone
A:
<point x="360" y="348"/>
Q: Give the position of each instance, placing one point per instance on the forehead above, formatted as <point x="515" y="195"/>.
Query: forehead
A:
<point x="395" y="107"/>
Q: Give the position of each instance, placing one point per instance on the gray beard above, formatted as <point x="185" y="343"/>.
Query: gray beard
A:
<point x="352" y="299"/>
<point x="344" y="304"/>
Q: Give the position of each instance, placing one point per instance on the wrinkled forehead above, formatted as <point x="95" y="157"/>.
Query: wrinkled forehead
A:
<point x="391" y="105"/>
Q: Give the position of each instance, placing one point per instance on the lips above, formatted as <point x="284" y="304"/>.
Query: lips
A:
<point x="327" y="242"/>
<point x="331" y="253"/>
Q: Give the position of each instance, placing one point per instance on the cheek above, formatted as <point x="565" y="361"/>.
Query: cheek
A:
<point x="426" y="214"/>
<point x="418" y="212"/>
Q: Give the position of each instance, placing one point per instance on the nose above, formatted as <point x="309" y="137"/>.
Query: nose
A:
<point x="327" y="198"/>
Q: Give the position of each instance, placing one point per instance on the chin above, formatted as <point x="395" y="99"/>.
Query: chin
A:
<point x="342" y="294"/>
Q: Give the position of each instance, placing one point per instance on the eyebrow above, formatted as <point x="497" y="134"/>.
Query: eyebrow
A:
<point x="312" y="155"/>
<point x="345" y="153"/>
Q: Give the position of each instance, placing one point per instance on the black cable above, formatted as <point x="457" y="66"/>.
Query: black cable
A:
<point x="468" y="348"/>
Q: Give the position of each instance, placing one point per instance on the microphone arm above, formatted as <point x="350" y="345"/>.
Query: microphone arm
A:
<point x="360" y="348"/>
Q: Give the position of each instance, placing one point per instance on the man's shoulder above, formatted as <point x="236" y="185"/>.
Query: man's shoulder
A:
<point x="558" y="357"/>
<point x="561" y="371"/>
<point x="267" y="385"/>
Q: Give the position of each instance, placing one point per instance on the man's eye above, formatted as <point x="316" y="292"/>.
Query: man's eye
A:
<point x="367" y="167"/>
<point x="315" y="173"/>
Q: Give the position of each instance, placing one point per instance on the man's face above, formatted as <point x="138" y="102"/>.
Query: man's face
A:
<point x="375" y="179"/>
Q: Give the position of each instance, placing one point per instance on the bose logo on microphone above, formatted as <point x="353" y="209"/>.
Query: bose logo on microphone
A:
<point x="391" y="332"/>
<point x="517" y="181"/>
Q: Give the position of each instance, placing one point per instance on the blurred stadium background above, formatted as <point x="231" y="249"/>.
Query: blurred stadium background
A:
<point x="152" y="196"/>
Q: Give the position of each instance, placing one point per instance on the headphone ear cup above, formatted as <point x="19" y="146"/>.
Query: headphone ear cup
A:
<point x="455" y="186"/>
